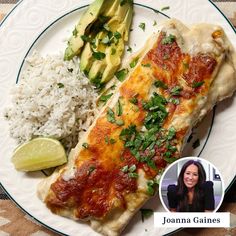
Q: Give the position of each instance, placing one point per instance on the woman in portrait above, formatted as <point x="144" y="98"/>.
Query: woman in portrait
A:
<point x="192" y="193"/>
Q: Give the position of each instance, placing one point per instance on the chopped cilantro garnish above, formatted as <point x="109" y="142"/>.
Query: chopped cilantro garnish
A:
<point x="75" y="32"/>
<point x="165" y="8"/>
<point x="134" y="63"/>
<point x="119" y="109"/>
<point x="125" y="169"/>
<point x="121" y="74"/>
<point x="134" y="100"/>
<point x="60" y="85"/>
<point x="171" y="133"/>
<point x="106" y="139"/>
<point x="170" y="159"/>
<point x="146" y="65"/>
<point x="129" y="49"/>
<point x="91" y="169"/>
<point x="85" y="38"/>
<point x="85" y="145"/>
<point x="127" y="133"/>
<point x="174" y="101"/>
<point x="142" y="26"/>
<point x="99" y="55"/>
<point x="145" y="213"/>
<point x="132" y="168"/>
<point x="105" y="98"/>
<point x="112" y="141"/>
<point x="117" y="35"/>
<point x="111" y="116"/>
<point x="160" y="84"/>
<point x="197" y="84"/>
<point x="109" y="140"/>
<point x="176" y="91"/>
<point x="133" y="175"/>
<point x="168" y="39"/>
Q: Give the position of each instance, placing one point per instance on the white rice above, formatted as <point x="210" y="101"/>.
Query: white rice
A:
<point x="51" y="99"/>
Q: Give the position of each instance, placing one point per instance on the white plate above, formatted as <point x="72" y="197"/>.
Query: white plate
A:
<point x="36" y="25"/>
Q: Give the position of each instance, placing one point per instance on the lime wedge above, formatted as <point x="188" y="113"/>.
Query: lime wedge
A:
<point x="39" y="154"/>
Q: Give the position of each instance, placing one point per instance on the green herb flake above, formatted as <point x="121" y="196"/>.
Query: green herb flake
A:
<point x="154" y="23"/>
<point x="132" y="168"/>
<point x="150" y="190"/>
<point x="196" y="144"/>
<point x="133" y="100"/>
<point x="146" y="65"/>
<point x="168" y="39"/>
<point x="145" y="213"/>
<point x="160" y="84"/>
<point x="112" y="141"/>
<point x="119" y="109"/>
<point x="111" y="116"/>
<point x="176" y="91"/>
<point x="117" y="35"/>
<point x="70" y="70"/>
<point x="134" y="63"/>
<point x="165" y="8"/>
<point x="197" y="84"/>
<point x="105" y="98"/>
<point x="170" y="159"/>
<point x="60" y="85"/>
<point x="113" y="51"/>
<point x="129" y="49"/>
<point x="106" y="140"/>
<point x="121" y="74"/>
<point x="85" y="145"/>
<point x="133" y="175"/>
<point x="142" y="26"/>
<point x="120" y="122"/>
<point x="91" y="169"/>
<point x="85" y="38"/>
<point x="125" y="169"/>
<point x="171" y="133"/>
<point x="75" y="32"/>
<point x="98" y="55"/>
<point x="175" y="101"/>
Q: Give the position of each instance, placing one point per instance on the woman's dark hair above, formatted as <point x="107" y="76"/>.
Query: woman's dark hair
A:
<point x="182" y="191"/>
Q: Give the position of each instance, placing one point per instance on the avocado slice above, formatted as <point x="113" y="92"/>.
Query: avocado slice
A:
<point x="113" y="59"/>
<point x="75" y="43"/>
<point x="86" y="58"/>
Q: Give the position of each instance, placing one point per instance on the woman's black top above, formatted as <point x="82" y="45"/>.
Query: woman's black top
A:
<point x="208" y="201"/>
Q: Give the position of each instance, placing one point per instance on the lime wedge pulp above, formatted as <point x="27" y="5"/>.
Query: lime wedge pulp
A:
<point x="38" y="154"/>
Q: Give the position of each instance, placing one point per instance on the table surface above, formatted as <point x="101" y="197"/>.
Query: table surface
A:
<point x="14" y="222"/>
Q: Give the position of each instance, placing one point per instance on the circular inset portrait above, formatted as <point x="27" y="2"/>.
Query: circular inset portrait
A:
<point x="191" y="184"/>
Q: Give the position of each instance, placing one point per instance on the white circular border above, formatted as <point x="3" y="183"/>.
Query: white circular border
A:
<point x="195" y="159"/>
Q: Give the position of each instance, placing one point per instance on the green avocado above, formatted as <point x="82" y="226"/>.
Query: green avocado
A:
<point x="75" y="43"/>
